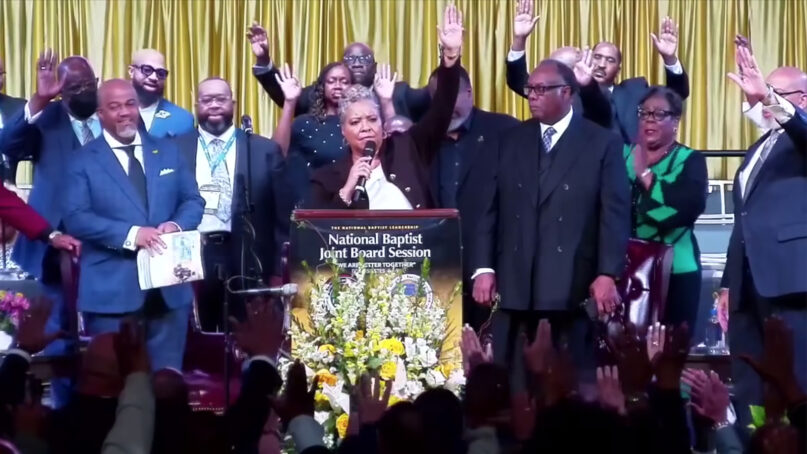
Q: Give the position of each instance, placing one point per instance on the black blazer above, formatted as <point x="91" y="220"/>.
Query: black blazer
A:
<point x="549" y="240"/>
<point x="406" y="158"/>
<point x="409" y="102"/>
<point x="590" y="101"/>
<point x="770" y="224"/>
<point x="271" y="227"/>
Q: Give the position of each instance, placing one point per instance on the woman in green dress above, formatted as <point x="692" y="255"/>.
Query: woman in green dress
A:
<point x="669" y="184"/>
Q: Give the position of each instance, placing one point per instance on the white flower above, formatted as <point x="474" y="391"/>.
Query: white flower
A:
<point x="338" y="399"/>
<point x="321" y="417"/>
<point x="400" y="377"/>
<point x="435" y="378"/>
<point x="455" y="381"/>
<point x="413" y="388"/>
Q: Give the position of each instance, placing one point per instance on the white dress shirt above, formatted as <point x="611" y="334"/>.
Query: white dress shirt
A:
<point x="147" y="114"/>
<point x="211" y="223"/>
<point x="675" y="68"/>
<point x="782" y="110"/>
<point x="384" y="195"/>
<point x="123" y="159"/>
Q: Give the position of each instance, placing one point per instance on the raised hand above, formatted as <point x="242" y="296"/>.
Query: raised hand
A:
<point x="524" y="22"/>
<point x="472" y="352"/>
<point x="384" y="83"/>
<point x="667" y="41"/>
<point x="776" y="366"/>
<point x="584" y="68"/>
<point x="47" y="83"/>
<point x="631" y="355"/>
<point x="670" y="362"/>
<point x="450" y="34"/>
<point x="537" y="354"/>
<point x="371" y="403"/>
<point x="742" y="41"/>
<point x="750" y="80"/>
<point x="262" y="332"/>
<point x="298" y="398"/>
<point x="609" y="389"/>
<point x="656" y="335"/>
<point x="260" y="43"/>
<point x="710" y="397"/>
<point x="289" y="83"/>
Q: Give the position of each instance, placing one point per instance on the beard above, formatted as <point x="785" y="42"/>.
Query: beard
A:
<point x="216" y="128"/>
<point x="146" y="98"/>
<point x="126" y="131"/>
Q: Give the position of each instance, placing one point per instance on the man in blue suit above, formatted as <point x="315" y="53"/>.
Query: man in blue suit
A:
<point x="766" y="267"/>
<point x="123" y="191"/>
<point x="49" y="133"/>
<point x="161" y="117"/>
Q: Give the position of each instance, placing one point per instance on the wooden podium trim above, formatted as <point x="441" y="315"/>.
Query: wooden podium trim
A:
<point x="388" y="214"/>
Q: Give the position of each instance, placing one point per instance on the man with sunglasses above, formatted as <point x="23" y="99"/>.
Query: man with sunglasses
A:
<point x="49" y="133"/>
<point x="552" y="225"/>
<point x="161" y="117"/>
<point x="358" y="57"/>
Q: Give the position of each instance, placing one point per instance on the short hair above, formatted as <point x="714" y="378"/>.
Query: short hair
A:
<point x="212" y="78"/>
<point x="608" y="43"/>
<point x="565" y="72"/>
<point x="464" y="77"/>
<point x="354" y="94"/>
<point x="672" y="98"/>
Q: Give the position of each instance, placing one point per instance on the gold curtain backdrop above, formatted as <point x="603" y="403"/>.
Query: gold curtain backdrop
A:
<point x="202" y="38"/>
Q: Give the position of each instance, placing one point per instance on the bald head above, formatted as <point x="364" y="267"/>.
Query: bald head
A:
<point x="568" y="55"/>
<point x="148" y="74"/>
<point x="790" y="83"/>
<point x="117" y="109"/>
<point x="148" y="57"/>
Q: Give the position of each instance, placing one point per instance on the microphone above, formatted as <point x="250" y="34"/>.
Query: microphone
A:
<point x="360" y="193"/>
<point x="246" y="124"/>
<point x="283" y="290"/>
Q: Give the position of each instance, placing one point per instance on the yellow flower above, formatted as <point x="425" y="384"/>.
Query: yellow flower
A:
<point x="325" y="376"/>
<point x="446" y="368"/>
<point x="388" y="370"/>
<point x="327" y="348"/>
<point x="320" y="398"/>
<point x="341" y="425"/>
<point x="393" y="346"/>
<point x="393" y="399"/>
<point x="359" y="335"/>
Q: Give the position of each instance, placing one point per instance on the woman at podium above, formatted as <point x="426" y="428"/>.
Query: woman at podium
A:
<point x="391" y="172"/>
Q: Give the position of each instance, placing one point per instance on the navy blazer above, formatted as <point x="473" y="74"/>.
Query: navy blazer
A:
<point x="271" y="224"/>
<point x="549" y="239"/>
<point x="770" y="224"/>
<point x="101" y="205"/>
<point x="170" y="120"/>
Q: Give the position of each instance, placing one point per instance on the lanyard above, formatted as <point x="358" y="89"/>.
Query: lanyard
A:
<point x="215" y="162"/>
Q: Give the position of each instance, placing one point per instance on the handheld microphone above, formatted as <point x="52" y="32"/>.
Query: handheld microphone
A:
<point x="246" y="124"/>
<point x="360" y="193"/>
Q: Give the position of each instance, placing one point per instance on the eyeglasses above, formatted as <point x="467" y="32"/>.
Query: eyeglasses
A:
<point x="541" y="89"/>
<point x="786" y="93"/>
<point x="220" y="99"/>
<point x="658" y="115"/>
<point x="366" y="59"/>
<point x="80" y="87"/>
<point x="148" y="70"/>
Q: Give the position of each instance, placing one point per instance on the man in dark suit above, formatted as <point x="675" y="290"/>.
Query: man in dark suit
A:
<point x="767" y="255"/>
<point x="358" y="57"/>
<point x="49" y="133"/>
<point x="122" y="192"/>
<point x="553" y="222"/>
<point x="9" y="106"/>
<point x="224" y="160"/>
<point x="623" y="97"/>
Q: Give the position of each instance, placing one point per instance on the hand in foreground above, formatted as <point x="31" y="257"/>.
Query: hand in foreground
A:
<point x="668" y="364"/>
<point x="539" y="353"/>
<point x="450" y="34"/>
<point x="31" y="336"/>
<point x="603" y="290"/>
<point x="584" y="68"/>
<point x="149" y="238"/>
<point x="260" y="43"/>
<point x="289" y="83"/>
<point x="630" y="352"/>
<point x="667" y="41"/>
<point x="656" y="336"/>
<point x="384" y="83"/>
<point x="130" y="348"/>
<point x="67" y="243"/>
<point x="710" y="397"/>
<point x="372" y="403"/>
<point x="750" y="80"/>
<point x="723" y="309"/>
<point x="524" y="22"/>
<point x="610" y="390"/>
<point x="472" y="352"/>
<point x="484" y="288"/>
<point x="297" y="399"/>
<point x="262" y="332"/>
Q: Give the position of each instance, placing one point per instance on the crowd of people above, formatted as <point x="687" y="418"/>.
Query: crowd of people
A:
<point x="547" y="206"/>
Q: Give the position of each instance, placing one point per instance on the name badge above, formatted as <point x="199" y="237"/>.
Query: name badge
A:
<point x="211" y="194"/>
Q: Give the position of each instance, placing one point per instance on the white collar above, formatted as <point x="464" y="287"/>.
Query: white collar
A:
<point x="151" y="107"/>
<point x="224" y="137"/>
<point x="113" y="142"/>
<point x="560" y="126"/>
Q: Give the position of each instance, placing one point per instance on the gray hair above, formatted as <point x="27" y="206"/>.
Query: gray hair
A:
<point x="354" y="94"/>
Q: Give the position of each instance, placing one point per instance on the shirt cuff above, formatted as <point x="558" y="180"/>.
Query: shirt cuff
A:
<point x="675" y="68"/>
<point x="31" y="119"/>
<point x="747" y="108"/>
<point x="179" y="229"/>
<point x="514" y="55"/>
<point x="480" y="271"/>
<point x="259" y="358"/>
<point x="19" y="352"/>
<point x="131" y="239"/>
<point x="306" y="432"/>
<point x="260" y="69"/>
<point x="781" y="109"/>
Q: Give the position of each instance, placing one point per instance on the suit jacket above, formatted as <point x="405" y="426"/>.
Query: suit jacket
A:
<point x="51" y="143"/>
<point x="271" y="226"/>
<point x="9" y="106"/>
<point x="770" y="228"/>
<point x="591" y="101"/>
<point x="406" y="158"/>
<point x="15" y="212"/>
<point x="549" y="239"/>
<point x="101" y="205"/>
<point x="409" y="102"/>
<point x="170" y="120"/>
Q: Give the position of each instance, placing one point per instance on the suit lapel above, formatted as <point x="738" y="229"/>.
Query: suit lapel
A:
<point x="189" y="146"/>
<point x="781" y="143"/>
<point x="240" y="167"/>
<point x="567" y="150"/>
<point x="530" y="144"/>
<point x="109" y="162"/>
<point x="157" y="122"/>
<point x="65" y="128"/>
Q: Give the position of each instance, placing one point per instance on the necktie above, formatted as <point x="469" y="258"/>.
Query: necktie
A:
<point x="86" y="132"/>
<point x="221" y="178"/>
<point x="136" y="175"/>
<point x="763" y="155"/>
<point x="547" y="138"/>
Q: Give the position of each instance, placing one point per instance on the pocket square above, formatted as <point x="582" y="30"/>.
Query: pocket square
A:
<point x="166" y="171"/>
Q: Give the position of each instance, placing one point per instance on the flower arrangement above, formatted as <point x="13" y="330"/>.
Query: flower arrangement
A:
<point x="12" y="306"/>
<point x="380" y="322"/>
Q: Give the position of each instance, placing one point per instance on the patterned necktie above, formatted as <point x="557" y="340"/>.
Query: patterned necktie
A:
<point x="547" y="138"/>
<point x="763" y="155"/>
<point x="136" y="175"/>
<point x="86" y="132"/>
<point x="221" y="178"/>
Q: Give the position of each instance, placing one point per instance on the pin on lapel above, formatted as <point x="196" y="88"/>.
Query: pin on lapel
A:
<point x="155" y="151"/>
<point x="163" y="114"/>
<point x="480" y="139"/>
